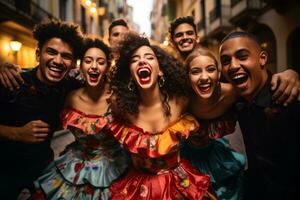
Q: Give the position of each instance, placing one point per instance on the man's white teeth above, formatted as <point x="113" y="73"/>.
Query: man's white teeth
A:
<point x="56" y="69"/>
<point x="237" y="76"/>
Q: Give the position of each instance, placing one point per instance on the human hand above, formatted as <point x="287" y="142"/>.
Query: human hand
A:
<point x="35" y="131"/>
<point x="286" y="86"/>
<point x="10" y="76"/>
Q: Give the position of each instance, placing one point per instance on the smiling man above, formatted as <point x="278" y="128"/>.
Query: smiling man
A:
<point x="183" y="35"/>
<point x="30" y="115"/>
<point x="271" y="131"/>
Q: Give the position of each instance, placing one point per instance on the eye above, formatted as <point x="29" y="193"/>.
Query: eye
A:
<point x="150" y="57"/>
<point x="190" y="32"/>
<point x="101" y="62"/>
<point x="87" y="60"/>
<point x="177" y="35"/>
<point x="67" y="56"/>
<point x="211" y="68"/>
<point x="195" y="71"/>
<point x="133" y="60"/>
<point x="243" y="57"/>
<point x="51" y="52"/>
<point x="225" y="60"/>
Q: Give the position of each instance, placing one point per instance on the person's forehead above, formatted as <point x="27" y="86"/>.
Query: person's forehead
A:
<point x="143" y="49"/>
<point x="183" y="27"/>
<point x="58" y="43"/>
<point x="119" y="28"/>
<point x="238" y="43"/>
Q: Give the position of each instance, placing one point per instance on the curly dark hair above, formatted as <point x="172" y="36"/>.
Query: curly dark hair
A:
<point x="176" y="78"/>
<point x="181" y="20"/>
<point x="68" y="32"/>
<point x="92" y="42"/>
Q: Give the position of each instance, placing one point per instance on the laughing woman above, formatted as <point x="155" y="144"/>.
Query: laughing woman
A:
<point x="207" y="150"/>
<point x="87" y="169"/>
<point x="150" y="100"/>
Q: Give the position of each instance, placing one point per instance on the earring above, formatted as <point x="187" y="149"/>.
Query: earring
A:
<point x="161" y="81"/>
<point x="130" y="85"/>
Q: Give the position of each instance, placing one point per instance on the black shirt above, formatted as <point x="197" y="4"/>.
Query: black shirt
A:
<point x="271" y="135"/>
<point x="33" y="101"/>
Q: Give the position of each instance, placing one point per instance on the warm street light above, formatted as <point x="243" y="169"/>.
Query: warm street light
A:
<point x="88" y="2"/>
<point x="93" y="10"/>
<point x="15" y="45"/>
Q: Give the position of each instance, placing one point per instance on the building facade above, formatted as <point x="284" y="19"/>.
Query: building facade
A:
<point x="18" y="17"/>
<point x="275" y="22"/>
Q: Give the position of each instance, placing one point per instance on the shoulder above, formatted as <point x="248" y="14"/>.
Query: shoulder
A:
<point x="228" y="93"/>
<point x="73" y="98"/>
<point x="180" y="103"/>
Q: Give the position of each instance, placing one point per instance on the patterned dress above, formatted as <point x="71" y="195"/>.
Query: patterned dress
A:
<point x="215" y="157"/>
<point x="156" y="171"/>
<point x="89" y="167"/>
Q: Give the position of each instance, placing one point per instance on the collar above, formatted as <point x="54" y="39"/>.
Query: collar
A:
<point x="264" y="97"/>
<point x="40" y="86"/>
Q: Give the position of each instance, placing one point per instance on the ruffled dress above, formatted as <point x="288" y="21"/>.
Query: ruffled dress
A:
<point x="157" y="171"/>
<point x="89" y="167"/>
<point x="215" y="157"/>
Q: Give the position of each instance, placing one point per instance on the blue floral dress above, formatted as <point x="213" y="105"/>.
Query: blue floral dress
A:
<point x="87" y="168"/>
<point x="210" y="153"/>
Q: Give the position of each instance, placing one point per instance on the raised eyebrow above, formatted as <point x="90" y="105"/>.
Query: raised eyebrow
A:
<point x="149" y="54"/>
<point x="51" y="49"/>
<point x="240" y="51"/>
<point x="211" y="66"/>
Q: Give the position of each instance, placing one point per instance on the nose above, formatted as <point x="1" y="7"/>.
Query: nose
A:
<point x="204" y="76"/>
<point x="234" y="64"/>
<point x="142" y="61"/>
<point x="58" y="59"/>
<point x="94" y="65"/>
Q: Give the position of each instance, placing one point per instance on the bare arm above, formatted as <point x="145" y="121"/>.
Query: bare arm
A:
<point x="286" y="85"/>
<point x="10" y="76"/>
<point x="33" y="132"/>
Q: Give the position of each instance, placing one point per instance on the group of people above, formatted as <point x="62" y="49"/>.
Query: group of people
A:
<point x="147" y="125"/>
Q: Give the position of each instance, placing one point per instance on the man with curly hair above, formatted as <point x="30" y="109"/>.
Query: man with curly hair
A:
<point x="30" y="115"/>
<point x="183" y="35"/>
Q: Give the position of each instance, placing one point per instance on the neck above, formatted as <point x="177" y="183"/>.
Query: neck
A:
<point x="150" y="96"/>
<point x="95" y="93"/>
<point x="263" y="80"/>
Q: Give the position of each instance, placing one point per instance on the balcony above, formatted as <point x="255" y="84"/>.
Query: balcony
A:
<point x="219" y="24"/>
<point x="25" y="12"/>
<point x="244" y="12"/>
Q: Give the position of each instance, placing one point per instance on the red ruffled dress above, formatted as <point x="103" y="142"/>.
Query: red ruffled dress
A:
<point x="157" y="171"/>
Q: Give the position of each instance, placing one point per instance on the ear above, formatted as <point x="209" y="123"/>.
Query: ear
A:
<point x="197" y="38"/>
<point x="37" y="54"/>
<point x="263" y="58"/>
<point x="160" y="73"/>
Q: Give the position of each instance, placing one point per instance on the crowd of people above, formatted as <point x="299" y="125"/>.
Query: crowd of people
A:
<point x="148" y="125"/>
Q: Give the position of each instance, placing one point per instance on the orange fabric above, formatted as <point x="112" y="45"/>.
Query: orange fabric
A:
<point x="90" y="124"/>
<point x="154" y="144"/>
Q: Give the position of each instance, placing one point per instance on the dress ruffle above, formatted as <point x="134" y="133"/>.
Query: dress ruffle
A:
<point x="224" y="165"/>
<point x="88" y="168"/>
<point x="141" y="142"/>
<point x="182" y="182"/>
<point x="156" y="171"/>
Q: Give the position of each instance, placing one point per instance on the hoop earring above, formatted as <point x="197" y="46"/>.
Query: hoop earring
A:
<point x="130" y="85"/>
<point x="161" y="81"/>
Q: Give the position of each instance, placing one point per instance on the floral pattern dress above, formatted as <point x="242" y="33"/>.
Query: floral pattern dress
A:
<point x="157" y="171"/>
<point x="89" y="167"/>
<point x="210" y="153"/>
